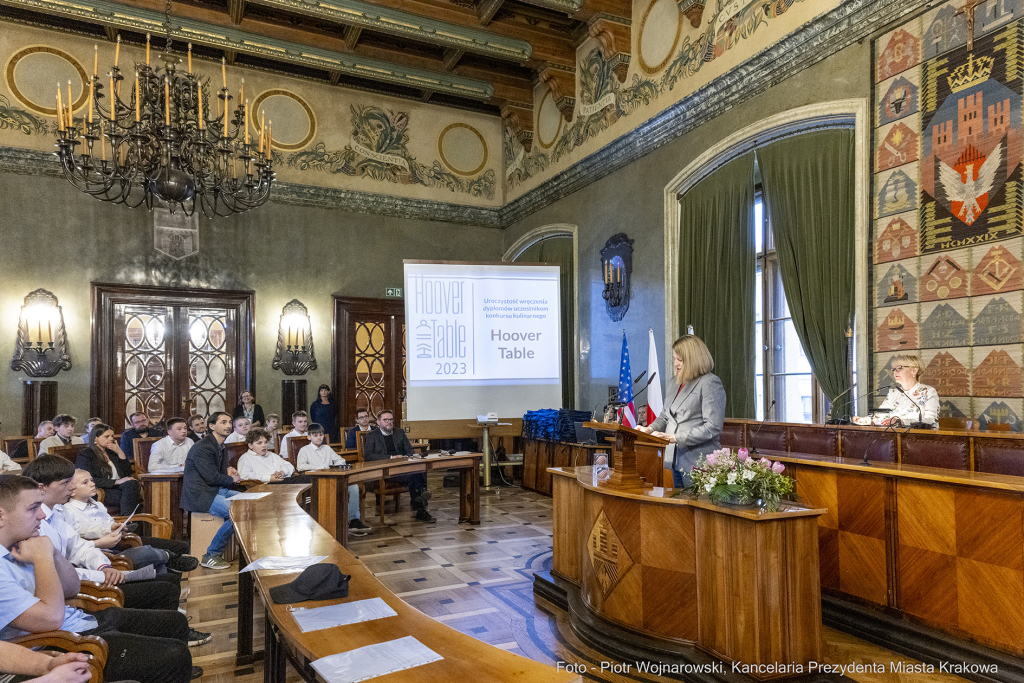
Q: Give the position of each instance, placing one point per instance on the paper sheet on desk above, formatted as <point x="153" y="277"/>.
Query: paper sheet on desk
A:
<point x="375" y="660"/>
<point x="293" y="563"/>
<point x="168" y="470"/>
<point x="342" y="614"/>
<point x="248" y="496"/>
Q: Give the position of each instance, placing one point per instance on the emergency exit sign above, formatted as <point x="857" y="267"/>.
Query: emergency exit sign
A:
<point x="393" y="292"/>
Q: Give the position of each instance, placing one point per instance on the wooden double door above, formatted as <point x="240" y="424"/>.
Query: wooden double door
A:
<point x="369" y="356"/>
<point x="169" y="352"/>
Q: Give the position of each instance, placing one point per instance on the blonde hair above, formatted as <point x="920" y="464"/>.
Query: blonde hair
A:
<point x="909" y="359"/>
<point x="695" y="356"/>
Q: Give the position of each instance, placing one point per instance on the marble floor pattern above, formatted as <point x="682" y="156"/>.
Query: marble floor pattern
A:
<point x="478" y="580"/>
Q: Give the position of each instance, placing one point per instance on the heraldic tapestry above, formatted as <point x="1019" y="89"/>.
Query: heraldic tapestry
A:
<point x="947" y="206"/>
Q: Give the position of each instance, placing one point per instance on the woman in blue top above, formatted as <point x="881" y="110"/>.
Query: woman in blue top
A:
<point x="324" y="412"/>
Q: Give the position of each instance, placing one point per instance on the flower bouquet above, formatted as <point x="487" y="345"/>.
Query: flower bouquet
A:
<point x="737" y="478"/>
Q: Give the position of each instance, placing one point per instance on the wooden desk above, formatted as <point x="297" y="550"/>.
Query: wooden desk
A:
<point x="276" y="525"/>
<point x="541" y="454"/>
<point x="161" y="494"/>
<point x="330" y="487"/>
<point x="737" y="583"/>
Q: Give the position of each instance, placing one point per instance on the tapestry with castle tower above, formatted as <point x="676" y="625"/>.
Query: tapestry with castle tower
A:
<point x="947" y="245"/>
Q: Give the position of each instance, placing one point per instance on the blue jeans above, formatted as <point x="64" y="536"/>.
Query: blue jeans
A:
<point x="220" y="507"/>
<point x="679" y="480"/>
<point x="353" y="502"/>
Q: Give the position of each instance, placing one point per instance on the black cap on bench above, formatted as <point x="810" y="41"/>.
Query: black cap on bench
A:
<point x="316" y="582"/>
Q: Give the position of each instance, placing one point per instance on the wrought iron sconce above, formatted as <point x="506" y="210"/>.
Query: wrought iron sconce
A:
<point x="616" y="270"/>
<point x="294" y="355"/>
<point x="41" y="348"/>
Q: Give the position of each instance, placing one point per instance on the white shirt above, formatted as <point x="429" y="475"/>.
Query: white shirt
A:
<point x="234" y="437"/>
<point x="8" y="465"/>
<point x="86" y="557"/>
<point x="17" y="594"/>
<point x="55" y="442"/>
<point x="261" y="467"/>
<point x="90" y="519"/>
<point x="317" y="458"/>
<point x="167" y="454"/>
<point x="921" y="396"/>
<point x="284" y="441"/>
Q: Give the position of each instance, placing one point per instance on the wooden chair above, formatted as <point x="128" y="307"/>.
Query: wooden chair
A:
<point x="11" y="444"/>
<point x="962" y="424"/>
<point x="384" y="488"/>
<point x="142" y="448"/>
<point x="34" y="451"/>
<point x="234" y="452"/>
<point x="295" y="444"/>
<point x="1000" y="427"/>
<point x="67" y="452"/>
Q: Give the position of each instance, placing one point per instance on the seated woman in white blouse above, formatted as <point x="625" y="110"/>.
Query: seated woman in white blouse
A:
<point x="906" y="370"/>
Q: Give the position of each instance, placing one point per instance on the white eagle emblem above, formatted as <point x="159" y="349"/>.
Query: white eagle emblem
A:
<point x="971" y="194"/>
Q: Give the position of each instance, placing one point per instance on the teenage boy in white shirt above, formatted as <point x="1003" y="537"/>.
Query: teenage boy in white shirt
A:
<point x="65" y="436"/>
<point x="242" y="426"/>
<point x="263" y="465"/>
<point x="300" y="421"/>
<point x="316" y="455"/>
<point x="171" y="451"/>
<point x="273" y="422"/>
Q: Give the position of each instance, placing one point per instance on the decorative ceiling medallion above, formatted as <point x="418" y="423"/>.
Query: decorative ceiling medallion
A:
<point x="667" y="11"/>
<point x="610" y="559"/>
<point x="264" y="105"/>
<point x="545" y="120"/>
<point x="19" y="82"/>
<point x="456" y="147"/>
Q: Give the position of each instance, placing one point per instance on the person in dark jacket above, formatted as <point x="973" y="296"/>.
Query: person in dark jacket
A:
<point x="205" y="485"/>
<point x="111" y="469"/>
<point x="383" y="443"/>
<point x="141" y="428"/>
<point x="362" y="425"/>
<point x="247" y="407"/>
<point x="324" y="412"/>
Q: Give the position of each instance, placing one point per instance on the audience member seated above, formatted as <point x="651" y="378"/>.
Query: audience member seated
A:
<point x="362" y="425"/>
<point x="170" y="452"/>
<point x="273" y="422"/>
<point x="93" y="523"/>
<point x="141" y="429"/>
<point x="316" y="455"/>
<point x="64" y="426"/>
<point x="44" y="431"/>
<point x="247" y="407"/>
<point x="89" y="424"/>
<point x="8" y="466"/>
<point x="206" y="485"/>
<point x="111" y="469"/>
<point x="241" y="425"/>
<point x="196" y="428"/>
<point x="300" y="421"/>
<point x="149" y="646"/>
<point x="261" y="464"/>
<point x="46" y="666"/>
<point x="383" y="443"/>
<point x="324" y="411"/>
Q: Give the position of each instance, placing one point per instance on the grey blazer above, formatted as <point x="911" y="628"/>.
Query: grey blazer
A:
<point x="695" y="416"/>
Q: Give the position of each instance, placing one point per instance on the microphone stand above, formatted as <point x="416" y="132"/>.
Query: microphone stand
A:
<point x="753" y="439"/>
<point x="837" y="421"/>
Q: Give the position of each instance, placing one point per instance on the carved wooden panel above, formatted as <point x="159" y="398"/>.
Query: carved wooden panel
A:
<point x="369" y="356"/>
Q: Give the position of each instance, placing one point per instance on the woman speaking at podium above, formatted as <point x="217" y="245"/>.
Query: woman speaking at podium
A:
<point x="693" y="419"/>
<point x="916" y="402"/>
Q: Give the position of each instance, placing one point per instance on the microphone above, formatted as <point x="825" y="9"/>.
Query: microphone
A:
<point x="645" y="386"/>
<point x="753" y="439"/>
<point x="857" y="398"/>
<point x="640" y="377"/>
<point x="831" y="406"/>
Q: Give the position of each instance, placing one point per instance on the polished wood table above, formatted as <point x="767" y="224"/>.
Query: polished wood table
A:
<point x="735" y="582"/>
<point x="276" y="526"/>
<point x="161" y="496"/>
<point x="541" y="454"/>
<point x="330" y="487"/>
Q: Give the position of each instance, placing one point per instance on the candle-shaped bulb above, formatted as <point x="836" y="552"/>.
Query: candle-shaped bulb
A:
<point x="138" y="98"/>
<point x="224" y="75"/>
<point x="247" y="122"/>
<point x="113" y="100"/>
<point x="71" y="109"/>
<point x="117" y="51"/>
<point x="95" y="59"/>
<point x="167" y="101"/>
<point x="263" y="129"/>
<point x="147" y="49"/>
<point x="226" y="101"/>
<point x="199" y="94"/>
<point x="190" y="57"/>
<point x="92" y="86"/>
<point x="60" y="109"/>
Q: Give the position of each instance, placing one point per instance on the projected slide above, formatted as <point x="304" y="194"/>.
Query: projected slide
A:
<point x="481" y="338"/>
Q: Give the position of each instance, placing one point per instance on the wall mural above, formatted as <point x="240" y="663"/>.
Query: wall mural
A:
<point x="948" y="200"/>
<point x="21" y="121"/>
<point x="379" y="151"/>
<point x="603" y="101"/>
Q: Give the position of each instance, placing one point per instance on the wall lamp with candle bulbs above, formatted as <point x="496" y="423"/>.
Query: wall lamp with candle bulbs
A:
<point x="41" y="347"/>
<point x="294" y="355"/>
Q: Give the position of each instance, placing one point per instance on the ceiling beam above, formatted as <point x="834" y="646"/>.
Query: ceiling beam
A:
<point x="352" y="34"/>
<point x="111" y="32"/>
<point x="486" y="9"/>
<point x="451" y="58"/>
<point x="236" y="10"/>
<point x="231" y="40"/>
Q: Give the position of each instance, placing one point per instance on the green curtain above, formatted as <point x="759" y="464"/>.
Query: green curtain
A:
<point x="808" y="184"/>
<point x="716" y="276"/>
<point x="559" y="250"/>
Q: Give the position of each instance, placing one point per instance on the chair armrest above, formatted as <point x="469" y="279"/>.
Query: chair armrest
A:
<point x="100" y="495"/>
<point x="99" y="590"/>
<point x="132" y="540"/>
<point x="117" y="562"/>
<point x="94" y="646"/>
<point x="89" y="603"/>
<point x="160" y="526"/>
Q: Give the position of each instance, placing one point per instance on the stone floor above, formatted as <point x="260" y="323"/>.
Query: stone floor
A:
<point x="478" y="580"/>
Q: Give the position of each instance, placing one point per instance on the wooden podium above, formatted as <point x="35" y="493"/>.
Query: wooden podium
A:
<point x="623" y="468"/>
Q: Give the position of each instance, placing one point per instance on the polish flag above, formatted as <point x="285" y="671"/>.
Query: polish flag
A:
<point x="654" y="400"/>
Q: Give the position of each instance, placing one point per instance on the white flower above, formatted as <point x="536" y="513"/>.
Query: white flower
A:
<point x="708" y="486"/>
<point x="731" y="478"/>
<point x="749" y="474"/>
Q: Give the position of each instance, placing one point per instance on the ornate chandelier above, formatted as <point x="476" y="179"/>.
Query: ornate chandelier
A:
<point x="164" y="142"/>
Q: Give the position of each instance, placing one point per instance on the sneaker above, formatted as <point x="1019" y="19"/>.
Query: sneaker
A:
<point x="424" y="516"/>
<point x="197" y="672"/>
<point x="197" y="638"/>
<point x="215" y="562"/>
<point x="357" y="524"/>
<point x="182" y="564"/>
<point x="423" y="497"/>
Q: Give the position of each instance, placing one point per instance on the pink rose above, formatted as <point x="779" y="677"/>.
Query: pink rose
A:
<point x="778" y="467"/>
<point x="712" y="459"/>
<point x="743" y="455"/>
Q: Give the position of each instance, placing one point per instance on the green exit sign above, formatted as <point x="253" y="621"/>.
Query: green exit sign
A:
<point x="393" y="292"/>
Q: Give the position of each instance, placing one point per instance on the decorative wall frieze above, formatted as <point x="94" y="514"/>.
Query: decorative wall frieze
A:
<point x="561" y="81"/>
<point x="518" y="118"/>
<point x="613" y="34"/>
<point x="187" y="30"/>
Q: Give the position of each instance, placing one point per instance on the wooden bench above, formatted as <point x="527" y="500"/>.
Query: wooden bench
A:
<point x="277" y="526"/>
